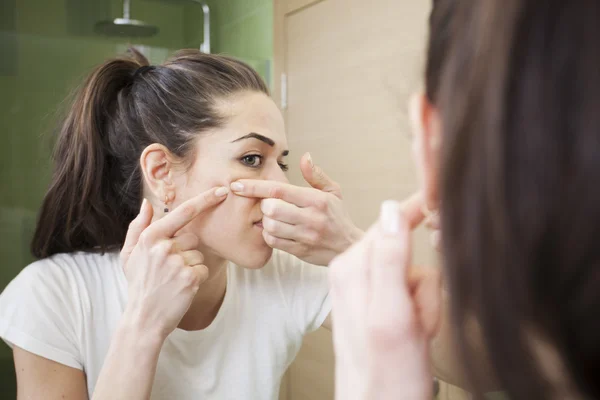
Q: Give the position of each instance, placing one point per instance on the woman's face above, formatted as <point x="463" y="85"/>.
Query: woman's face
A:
<point x="251" y="145"/>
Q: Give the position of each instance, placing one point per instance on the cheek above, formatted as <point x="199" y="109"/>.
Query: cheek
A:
<point x="228" y="232"/>
<point x="228" y="218"/>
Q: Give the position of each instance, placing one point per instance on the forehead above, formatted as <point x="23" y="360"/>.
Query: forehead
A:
<point x="252" y="112"/>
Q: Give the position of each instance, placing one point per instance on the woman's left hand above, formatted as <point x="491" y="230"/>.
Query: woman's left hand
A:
<point x="384" y="312"/>
<point x="310" y="223"/>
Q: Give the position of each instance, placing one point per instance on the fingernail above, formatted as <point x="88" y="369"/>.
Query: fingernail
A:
<point x="237" y="187"/>
<point x="310" y="160"/>
<point x="390" y="217"/>
<point x="222" y="191"/>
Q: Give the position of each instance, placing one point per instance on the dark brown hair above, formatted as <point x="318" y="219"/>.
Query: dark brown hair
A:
<point x="437" y="45"/>
<point x="519" y="95"/>
<point x="124" y="106"/>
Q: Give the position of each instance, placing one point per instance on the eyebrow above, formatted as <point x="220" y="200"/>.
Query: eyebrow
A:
<point x="260" y="137"/>
<point x="270" y="142"/>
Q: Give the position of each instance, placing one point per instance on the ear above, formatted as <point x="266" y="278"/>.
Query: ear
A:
<point x="157" y="164"/>
<point x="426" y="125"/>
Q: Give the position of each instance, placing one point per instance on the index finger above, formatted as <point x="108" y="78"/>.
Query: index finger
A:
<point x="412" y="210"/>
<point x="262" y="189"/>
<point x="170" y="224"/>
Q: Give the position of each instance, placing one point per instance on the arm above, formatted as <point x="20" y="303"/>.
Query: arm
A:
<point x="158" y="265"/>
<point x="130" y="366"/>
<point x="40" y="378"/>
<point x="128" y="372"/>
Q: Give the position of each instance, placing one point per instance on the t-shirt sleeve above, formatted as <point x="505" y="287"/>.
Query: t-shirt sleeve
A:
<point x="305" y="288"/>
<point x="38" y="313"/>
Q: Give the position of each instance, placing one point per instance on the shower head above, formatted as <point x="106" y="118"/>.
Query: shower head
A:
<point x="126" y="26"/>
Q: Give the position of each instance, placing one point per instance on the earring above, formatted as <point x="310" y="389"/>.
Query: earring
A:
<point x="166" y="210"/>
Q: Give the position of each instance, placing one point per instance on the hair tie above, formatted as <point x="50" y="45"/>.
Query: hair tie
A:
<point x="142" y="70"/>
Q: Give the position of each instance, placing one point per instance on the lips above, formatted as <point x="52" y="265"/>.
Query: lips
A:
<point x="258" y="223"/>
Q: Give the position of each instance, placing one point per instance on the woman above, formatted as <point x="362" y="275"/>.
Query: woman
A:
<point x="512" y="135"/>
<point x="177" y="296"/>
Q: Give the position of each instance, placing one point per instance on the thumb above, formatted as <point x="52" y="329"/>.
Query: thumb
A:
<point x="138" y="225"/>
<point x="316" y="178"/>
<point x="390" y="257"/>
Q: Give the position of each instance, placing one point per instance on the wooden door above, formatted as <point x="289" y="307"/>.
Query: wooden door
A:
<point x="344" y="70"/>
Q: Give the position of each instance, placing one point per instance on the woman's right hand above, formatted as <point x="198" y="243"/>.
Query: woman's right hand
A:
<point x="384" y="311"/>
<point x="164" y="269"/>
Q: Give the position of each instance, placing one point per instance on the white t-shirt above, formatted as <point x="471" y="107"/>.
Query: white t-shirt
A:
<point x="67" y="307"/>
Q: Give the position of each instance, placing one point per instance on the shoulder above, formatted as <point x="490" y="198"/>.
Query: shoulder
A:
<point x="63" y="280"/>
<point x="67" y="269"/>
<point x="45" y="309"/>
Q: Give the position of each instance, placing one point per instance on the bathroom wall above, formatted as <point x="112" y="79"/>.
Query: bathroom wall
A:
<point x="241" y="28"/>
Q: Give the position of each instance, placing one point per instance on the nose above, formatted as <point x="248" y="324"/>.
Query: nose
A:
<point x="275" y="173"/>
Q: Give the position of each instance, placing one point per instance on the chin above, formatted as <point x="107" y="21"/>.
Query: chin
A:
<point x="254" y="258"/>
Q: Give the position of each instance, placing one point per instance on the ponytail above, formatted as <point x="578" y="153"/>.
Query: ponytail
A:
<point x="83" y="209"/>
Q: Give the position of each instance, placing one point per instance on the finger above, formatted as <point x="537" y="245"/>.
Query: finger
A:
<point x="412" y="210"/>
<point x="285" y="212"/>
<point x="193" y="276"/>
<point x="428" y="299"/>
<point x="262" y="189"/>
<point x="201" y="273"/>
<point x="192" y="257"/>
<point x="289" y="246"/>
<point x="137" y="226"/>
<point x="185" y="242"/>
<point x="175" y="261"/>
<point x="170" y="224"/>
<point x="316" y="178"/>
<point x="349" y="284"/>
<point x="280" y="229"/>
<point x="390" y="255"/>
<point x="297" y="233"/>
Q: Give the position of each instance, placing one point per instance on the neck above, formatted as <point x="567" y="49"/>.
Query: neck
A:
<point x="208" y="300"/>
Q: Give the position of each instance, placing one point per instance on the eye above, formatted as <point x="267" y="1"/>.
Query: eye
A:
<point x="284" y="167"/>
<point x="252" y="160"/>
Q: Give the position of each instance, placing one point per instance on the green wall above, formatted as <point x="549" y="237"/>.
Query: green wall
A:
<point x="241" y="28"/>
<point x="46" y="48"/>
